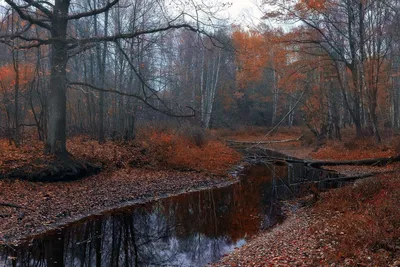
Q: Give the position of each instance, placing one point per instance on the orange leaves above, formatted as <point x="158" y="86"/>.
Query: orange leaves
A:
<point x="360" y="148"/>
<point x="7" y="76"/>
<point x="251" y="57"/>
<point x="308" y="7"/>
<point x="29" y="156"/>
<point x="181" y="152"/>
<point x="315" y="4"/>
<point x="162" y="150"/>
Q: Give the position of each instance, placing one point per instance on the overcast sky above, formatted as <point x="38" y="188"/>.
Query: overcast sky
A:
<point x="245" y="12"/>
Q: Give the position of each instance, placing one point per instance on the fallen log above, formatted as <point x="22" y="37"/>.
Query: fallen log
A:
<point x="263" y="142"/>
<point x="345" y="178"/>
<point x="367" y="162"/>
<point x="271" y="159"/>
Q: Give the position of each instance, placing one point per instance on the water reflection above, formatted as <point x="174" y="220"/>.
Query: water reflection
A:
<point x="186" y="230"/>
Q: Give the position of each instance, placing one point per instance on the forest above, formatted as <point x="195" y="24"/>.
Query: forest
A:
<point x="121" y="66"/>
<point x="106" y="105"/>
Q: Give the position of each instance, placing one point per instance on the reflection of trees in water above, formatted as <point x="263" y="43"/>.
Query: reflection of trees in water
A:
<point x="185" y="230"/>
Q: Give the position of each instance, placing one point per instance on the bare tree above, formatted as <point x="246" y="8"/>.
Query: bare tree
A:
<point x="55" y="20"/>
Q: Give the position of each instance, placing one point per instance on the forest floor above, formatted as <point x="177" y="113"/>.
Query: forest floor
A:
<point x="157" y="164"/>
<point x="356" y="225"/>
<point x="353" y="225"/>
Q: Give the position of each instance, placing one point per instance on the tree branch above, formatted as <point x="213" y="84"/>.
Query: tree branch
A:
<point x="24" y="16"/>
<point x="40" y="7"/>
<point x="94" y="11"/>
<point x="144" y="100"/>
<point x="135" y="34"/>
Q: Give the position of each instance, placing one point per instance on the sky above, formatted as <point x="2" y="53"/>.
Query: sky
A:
<point x="245" y="12"/>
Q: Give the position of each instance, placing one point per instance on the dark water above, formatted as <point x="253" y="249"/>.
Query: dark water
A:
<point x="187" y="230"/>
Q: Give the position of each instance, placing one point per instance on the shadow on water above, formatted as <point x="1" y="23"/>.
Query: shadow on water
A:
<point x="191" y="229"/>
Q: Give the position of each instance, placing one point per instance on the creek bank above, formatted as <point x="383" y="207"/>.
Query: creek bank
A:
<point x="316" y="236"/>
<point x="40" y="207"/>
<point x="155" y="165"/>
<point x="350" y="169"/>
<point x="351" y="226"/>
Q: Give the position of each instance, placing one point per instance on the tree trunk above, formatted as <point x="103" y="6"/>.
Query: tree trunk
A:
<point x="101" y="62"/>
<point x="15" y="60"/>
<point x="16" y="99"/>
<point x="56" y="124"/>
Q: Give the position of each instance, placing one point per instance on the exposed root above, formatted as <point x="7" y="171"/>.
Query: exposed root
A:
<point x="66" y="169"/>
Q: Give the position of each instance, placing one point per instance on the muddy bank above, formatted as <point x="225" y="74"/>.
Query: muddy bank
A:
<point x="37" y="207"/>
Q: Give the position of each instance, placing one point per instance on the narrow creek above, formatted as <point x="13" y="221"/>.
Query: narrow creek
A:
<point x="191" y="229"/>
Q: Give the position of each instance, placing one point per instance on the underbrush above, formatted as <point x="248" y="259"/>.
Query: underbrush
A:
<point x="369" y="221"/>
<point x="351" y="149"/>
<point x="154" y="148"/>
<point x="190" y="150"/>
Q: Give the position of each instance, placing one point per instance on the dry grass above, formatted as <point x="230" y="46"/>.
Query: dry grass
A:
<point x="361" y="148"/>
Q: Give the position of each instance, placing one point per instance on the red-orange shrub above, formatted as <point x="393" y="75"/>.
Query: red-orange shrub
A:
<point x="184" y="152"/>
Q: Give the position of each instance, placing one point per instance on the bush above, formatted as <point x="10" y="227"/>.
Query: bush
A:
<point x="188" y="150"/>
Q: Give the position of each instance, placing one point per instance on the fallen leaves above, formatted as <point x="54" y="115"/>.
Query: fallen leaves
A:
<point x="351" y="226"/>
<point x="158" y="150"/>
<point x="47" y="204"/>
<point x="50" y="204"/>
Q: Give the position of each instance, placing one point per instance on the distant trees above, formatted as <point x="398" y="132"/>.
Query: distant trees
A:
<point x="356" y="37"/>
<point x="58" y="25"/>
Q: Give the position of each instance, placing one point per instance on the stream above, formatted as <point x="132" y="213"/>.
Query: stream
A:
<point x="190" y="229"/>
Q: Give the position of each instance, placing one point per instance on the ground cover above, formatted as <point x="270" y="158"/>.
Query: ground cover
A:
<point x="156" y="164"/>
<point x="357" y="225"/>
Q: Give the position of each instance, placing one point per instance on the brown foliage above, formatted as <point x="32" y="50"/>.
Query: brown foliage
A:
<point x="357" y="148"/>
<point x="370" y="218"/>
<point x="189" y="152"/>
<point x="155" y="149"/>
